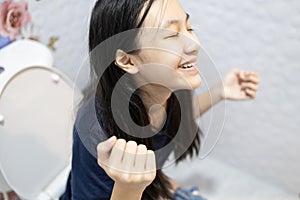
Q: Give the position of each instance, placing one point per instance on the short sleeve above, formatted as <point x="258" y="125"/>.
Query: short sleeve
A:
<point x="88" y="179"/>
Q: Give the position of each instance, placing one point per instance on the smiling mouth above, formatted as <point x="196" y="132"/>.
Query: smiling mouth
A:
<point x="189" y="66"/>
<point x="185" y="66"/>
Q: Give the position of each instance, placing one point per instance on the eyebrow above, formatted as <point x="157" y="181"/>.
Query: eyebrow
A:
<point x="169" y="22"/>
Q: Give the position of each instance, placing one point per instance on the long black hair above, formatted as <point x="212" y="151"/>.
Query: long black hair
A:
<point x="108" y="19"/>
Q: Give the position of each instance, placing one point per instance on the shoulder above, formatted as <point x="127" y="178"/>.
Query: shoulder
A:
<point x="88" y="180"/>
<point x="87" y="128"/>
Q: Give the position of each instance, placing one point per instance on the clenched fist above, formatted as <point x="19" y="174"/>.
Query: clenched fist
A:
<point x="131" y="166"/>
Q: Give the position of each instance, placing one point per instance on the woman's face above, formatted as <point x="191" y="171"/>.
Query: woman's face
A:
<point x="169" y="48"/>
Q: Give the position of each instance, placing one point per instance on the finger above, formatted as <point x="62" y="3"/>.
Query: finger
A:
<point x="117" y="152"/>
<point x="247" y="73"/>
<point x="129" y="155"/>
<point x="252" y="79"/>
<point x="241" y="74"/>
<point x="250" y="93"/>
<point x="150" y="161"/>
<point x="244" y="95"/>
<point x="140" y="159"/>
<point x="249" y="85"/>
<point x="104" y="148"/>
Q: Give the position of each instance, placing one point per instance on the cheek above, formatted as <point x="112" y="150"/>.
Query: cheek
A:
<point x="173" y="48"/>
<point x="160" y="74"/>
<point x="167" y="57"/>
<point x="165" y="51"/>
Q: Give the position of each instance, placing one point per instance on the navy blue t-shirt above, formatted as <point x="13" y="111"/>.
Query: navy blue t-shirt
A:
<point x="87" y="180"/>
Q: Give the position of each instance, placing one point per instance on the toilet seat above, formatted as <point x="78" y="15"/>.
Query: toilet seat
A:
<point x="35" y="135"/>
<point x="36" y="124"/>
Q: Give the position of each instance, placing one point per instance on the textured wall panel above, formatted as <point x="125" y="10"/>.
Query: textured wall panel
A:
<point x="261" y="136"/>
<point x="68" y="20"/>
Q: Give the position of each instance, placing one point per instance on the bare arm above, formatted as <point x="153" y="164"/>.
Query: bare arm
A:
<point x="237" y="85"/>
<point x="121" y="193"/>
<point x="205" y="101"/>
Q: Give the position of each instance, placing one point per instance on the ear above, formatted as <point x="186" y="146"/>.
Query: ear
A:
<point x="124" y="61"/>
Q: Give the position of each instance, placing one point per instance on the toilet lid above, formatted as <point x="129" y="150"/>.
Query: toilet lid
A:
<point x="36" y="106"/>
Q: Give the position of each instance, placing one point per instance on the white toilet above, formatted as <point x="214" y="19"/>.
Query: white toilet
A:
<point x="36" y="122"/>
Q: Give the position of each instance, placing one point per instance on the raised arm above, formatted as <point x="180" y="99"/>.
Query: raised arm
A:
<point x="203" y="102"/>
<point x="237" y="84"/>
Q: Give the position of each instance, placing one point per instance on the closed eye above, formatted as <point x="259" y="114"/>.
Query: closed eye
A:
<point x="177" y="33"/>
<point x="174" y="35"/>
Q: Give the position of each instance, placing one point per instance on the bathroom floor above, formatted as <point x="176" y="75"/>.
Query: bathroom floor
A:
<point x="219" y="181"/>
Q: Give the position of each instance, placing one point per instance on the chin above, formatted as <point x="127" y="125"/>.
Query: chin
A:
<point x="195" y="83"/>
<point x="190" y="85"/>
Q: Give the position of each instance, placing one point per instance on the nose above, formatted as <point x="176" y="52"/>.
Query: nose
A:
<point x="191" y="44"/>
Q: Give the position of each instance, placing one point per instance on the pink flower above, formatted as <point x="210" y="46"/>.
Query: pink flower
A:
<point x="13" y="15"/>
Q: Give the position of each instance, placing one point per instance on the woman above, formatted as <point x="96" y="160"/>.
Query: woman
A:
<point x="142" y="101"/>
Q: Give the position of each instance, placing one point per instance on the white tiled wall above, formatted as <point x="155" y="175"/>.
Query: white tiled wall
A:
<point x="260" y="137"/>
<point x="67" y="20"/>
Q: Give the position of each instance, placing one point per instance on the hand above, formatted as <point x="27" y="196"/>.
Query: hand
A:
<point x="240" y="85"/>
<point x="131" y="166"/>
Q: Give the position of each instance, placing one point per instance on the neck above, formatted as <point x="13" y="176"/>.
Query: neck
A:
<point x="154" y="96"/>
<point x="155" y="101"/>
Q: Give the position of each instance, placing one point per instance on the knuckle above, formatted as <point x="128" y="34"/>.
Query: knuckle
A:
<point x="121" y="141"/>
<point x="150" y="152"/>
<point x="254" y="79"/>
<point x="132" y="143"/>
<point x="142" y="147"/>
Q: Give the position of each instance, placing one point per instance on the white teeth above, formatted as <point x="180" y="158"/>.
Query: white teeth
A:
<point x="186" y="66"/>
